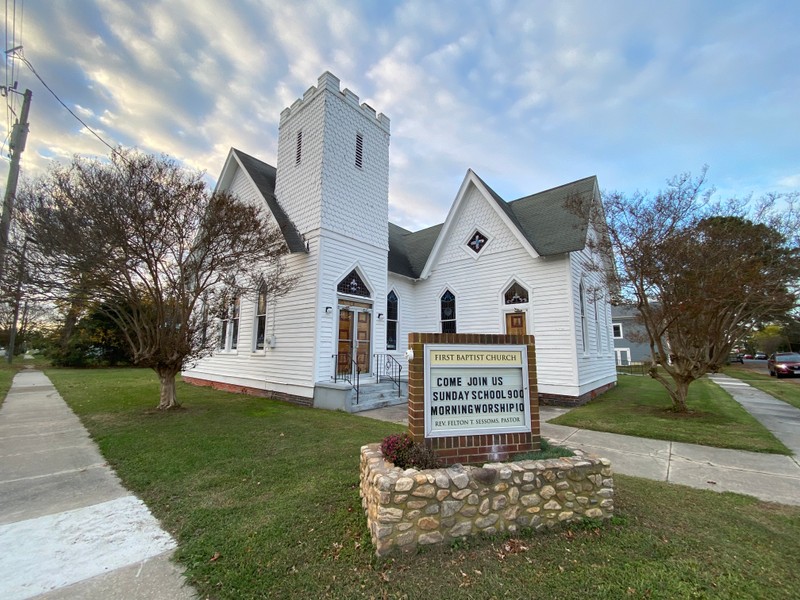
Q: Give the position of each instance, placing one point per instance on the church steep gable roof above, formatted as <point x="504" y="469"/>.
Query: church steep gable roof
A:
<point x="263" y="177"/>
<point x="545" y="220"/>
<point x="549" y="223"/>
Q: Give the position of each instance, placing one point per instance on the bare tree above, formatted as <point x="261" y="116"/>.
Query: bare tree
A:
<point x="701" y="273"/>
<point x="141" y="237"/>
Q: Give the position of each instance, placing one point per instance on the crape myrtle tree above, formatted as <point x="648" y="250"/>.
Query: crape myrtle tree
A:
<point x="141" y="239"/>
<point x="702" y="273"/>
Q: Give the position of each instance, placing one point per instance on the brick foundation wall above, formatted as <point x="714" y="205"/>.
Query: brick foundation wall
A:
<point x="243" y="389"/>
<point x="469" y="448"/>
<point x="572" y="401"/>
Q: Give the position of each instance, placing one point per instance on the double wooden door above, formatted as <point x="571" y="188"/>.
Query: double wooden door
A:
<point x="355" y="332"/>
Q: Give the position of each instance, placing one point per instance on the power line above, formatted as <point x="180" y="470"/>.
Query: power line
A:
<point x="10" y="78"/>
<point x="61" y="102"/>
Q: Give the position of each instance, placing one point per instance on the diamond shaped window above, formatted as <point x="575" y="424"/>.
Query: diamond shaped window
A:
<point x="477" y="241"/>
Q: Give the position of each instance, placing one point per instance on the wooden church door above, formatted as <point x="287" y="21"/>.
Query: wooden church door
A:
<point x="515" y="324"/>
<point x="355" y="326"/>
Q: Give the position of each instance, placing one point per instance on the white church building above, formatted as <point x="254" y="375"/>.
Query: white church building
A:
<point x="363" y="284"/>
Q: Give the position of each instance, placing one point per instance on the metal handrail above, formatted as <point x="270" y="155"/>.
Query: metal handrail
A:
<point x="351" y="376"/>
<point x="387" y="366"/>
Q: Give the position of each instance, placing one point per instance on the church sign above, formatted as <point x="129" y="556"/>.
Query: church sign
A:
<point x="476" y="390"/>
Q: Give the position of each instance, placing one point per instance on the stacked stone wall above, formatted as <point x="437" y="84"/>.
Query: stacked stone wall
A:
<point x="410" y="508"/>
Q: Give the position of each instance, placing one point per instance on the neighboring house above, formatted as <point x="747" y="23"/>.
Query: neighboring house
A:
<point x="631" y="344"/>
<point x="364" y="284"/>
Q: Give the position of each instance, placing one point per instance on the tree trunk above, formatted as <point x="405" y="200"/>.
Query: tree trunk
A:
<point x="169" y="400"/>
<point x="678" y="396"/>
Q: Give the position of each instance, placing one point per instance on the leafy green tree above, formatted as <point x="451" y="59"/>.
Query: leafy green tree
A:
<point x="95" y="340"/>
<point x="770" y="338"/>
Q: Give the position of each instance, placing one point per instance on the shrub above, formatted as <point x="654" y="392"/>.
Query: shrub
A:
<point x="420" y="457"/>
<point x="405" y="453"/>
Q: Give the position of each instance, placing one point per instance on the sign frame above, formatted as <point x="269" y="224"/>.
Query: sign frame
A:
<point x="476" y="368"/>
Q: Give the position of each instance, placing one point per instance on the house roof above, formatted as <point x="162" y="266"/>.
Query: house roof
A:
<point x="546" y="220"/>
<point x="263" y="176"/>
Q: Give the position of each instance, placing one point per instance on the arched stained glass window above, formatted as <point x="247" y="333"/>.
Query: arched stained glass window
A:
<point x="582" y="301"/>
<point x="448" y="312"/>
<point x="261" y="318"/>
<point x="516" y="294"/>
<point x="353" y="285"/>
<point x="391" y="321"/>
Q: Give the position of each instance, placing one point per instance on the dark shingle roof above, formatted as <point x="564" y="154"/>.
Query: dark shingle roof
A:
<point x="545" y="219"/>
<point x="263" y="175"/>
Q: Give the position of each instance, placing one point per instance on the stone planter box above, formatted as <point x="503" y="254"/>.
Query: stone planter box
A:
<point x="409" y="508"/>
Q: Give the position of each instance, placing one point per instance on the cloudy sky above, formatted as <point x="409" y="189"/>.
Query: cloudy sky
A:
<point x="529" y="94"/>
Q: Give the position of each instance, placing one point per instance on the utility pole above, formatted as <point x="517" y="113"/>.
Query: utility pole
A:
<point x="12" y="337"/>
<point x="19" y="135"/>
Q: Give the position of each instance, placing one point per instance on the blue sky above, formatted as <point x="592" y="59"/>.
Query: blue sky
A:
<point x="529" y="94"/>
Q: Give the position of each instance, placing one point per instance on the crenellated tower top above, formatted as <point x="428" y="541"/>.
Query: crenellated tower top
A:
<point x="328" y="81"/>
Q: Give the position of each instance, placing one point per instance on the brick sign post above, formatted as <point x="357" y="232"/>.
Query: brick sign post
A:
<point x="472" y="398"/>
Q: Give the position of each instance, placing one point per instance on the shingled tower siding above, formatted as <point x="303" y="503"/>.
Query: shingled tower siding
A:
<point x="469" y="449"/>
<point x="333" y="183"/>
<point x="337" y="177"/>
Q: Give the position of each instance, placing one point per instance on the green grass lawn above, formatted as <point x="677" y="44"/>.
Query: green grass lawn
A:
<point x="783" y="389"/>
<point x="263" y="499"/>
<point x="640" y="406"/>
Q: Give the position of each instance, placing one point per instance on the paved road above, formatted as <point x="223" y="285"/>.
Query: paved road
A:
<point x="68" y="529"/>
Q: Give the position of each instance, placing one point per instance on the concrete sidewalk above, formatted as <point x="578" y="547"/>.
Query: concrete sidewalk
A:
<point x="770" y="477"/>
<point x="68" y="529"/>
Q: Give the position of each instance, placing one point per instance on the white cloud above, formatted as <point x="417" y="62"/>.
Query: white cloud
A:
<point x="529" y="94"/>
<point x="790" y="181"/>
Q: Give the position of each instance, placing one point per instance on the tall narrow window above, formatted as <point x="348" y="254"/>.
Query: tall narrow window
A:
<point x="261" y="318"/>
<point x="223" y="334"/>
<point x="582" y="300"/>
<point x="359" y="150"/>
<point x="204" y="320"/>
<point x="391" y="321"/>
<point x="229" y="326"/>
<point x="448" y="312"/>
<point x="299" y="148"/>
<point x="597" y="329"/>
<point x="235" y="323"/>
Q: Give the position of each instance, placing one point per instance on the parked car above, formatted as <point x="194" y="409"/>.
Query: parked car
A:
<point x="748" y="356"/>
<point x="784" y="364"/>
<point x="735" y="358"/>
<point x="761" y="356"/>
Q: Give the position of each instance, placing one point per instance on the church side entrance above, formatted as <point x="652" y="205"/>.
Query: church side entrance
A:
<point x="354" y="342"/>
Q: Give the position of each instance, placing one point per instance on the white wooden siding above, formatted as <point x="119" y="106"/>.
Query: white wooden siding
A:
<point x="288" y="367"/>
<point x="478" y="281"/>
<point x="340" y="255"/>
<point x="596" y="366"/>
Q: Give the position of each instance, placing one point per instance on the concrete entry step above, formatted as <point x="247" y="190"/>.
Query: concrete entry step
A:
<point x="379" y="395"/>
